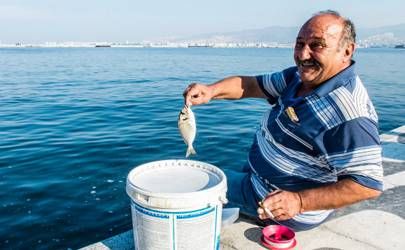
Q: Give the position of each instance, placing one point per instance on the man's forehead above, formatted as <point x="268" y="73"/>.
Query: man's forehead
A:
<point x="320" y="31"/>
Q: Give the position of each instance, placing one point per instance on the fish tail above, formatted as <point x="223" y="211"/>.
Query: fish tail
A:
<point x="190" y="151"/>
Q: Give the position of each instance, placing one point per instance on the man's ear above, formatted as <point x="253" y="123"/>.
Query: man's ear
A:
<point x="350" y="48"/>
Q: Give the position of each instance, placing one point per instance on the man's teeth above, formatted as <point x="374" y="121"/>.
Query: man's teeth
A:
<point x="308" y="64"/>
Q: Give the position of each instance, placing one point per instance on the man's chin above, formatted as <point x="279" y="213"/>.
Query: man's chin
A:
<point x="305" y="77"/>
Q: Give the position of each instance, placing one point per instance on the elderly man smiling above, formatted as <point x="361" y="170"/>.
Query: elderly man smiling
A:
<point x="318" y="147"/>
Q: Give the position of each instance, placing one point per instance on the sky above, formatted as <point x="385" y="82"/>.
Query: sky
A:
<point x="36" y="21"/>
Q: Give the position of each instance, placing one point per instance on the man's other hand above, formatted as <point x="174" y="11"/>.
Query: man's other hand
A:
<point x="280" y="205"/>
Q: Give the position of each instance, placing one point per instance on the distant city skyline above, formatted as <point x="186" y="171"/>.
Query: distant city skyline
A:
<point x="126" y="20"/>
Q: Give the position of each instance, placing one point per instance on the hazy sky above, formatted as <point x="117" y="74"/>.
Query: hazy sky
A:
<point x="134" y="20"/>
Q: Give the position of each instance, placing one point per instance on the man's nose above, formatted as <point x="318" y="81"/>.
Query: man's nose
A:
<point x="303" y="53"/>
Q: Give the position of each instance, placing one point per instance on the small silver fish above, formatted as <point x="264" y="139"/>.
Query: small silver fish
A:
<point x="187" y="128"/>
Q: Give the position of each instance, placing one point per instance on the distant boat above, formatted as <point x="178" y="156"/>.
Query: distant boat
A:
<point x="400" y="46"/>
<point x="102" y="46"/>
<point x="199" y="46"/>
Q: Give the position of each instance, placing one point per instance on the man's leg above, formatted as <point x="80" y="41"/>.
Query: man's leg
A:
<point x="240" y="193"/>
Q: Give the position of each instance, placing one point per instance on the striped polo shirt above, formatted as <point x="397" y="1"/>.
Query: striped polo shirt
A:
<point x="334" y="137"/>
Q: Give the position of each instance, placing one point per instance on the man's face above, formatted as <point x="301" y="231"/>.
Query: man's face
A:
<point x="317" y="52"/>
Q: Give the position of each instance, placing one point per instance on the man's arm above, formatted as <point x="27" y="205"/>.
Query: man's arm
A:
<point x="284" y="204"/>
<point x="235" y="87"/>
<point x="342" y="193"/>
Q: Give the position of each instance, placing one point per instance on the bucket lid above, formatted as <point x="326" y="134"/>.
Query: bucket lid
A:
<point x="173" y="184"/>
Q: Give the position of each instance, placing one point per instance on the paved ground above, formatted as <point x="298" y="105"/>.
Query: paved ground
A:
<point x="374" y="224"/>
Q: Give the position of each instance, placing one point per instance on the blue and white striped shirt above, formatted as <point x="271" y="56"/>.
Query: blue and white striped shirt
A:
<point x="336" y="137"/>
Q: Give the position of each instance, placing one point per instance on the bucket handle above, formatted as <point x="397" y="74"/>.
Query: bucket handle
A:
<point x="223" y="200"/>
<point x="142" y="198"/>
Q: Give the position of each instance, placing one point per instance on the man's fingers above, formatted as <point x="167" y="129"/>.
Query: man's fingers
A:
<point x="186" y="93"/>
<point x="190" y="93"/>
<point x="193" y="93"/>
<point x="273" y="202"/>
<point x="191" y="98"/>
<point x="264" y="213"/>
<point x="260" y="211"/>
<point x="188" y="88"/>
<point x="282" y="204"/>
<point x="274" y="207"/>
<point x="282" y="217"/>
<point x="277" y="213"/>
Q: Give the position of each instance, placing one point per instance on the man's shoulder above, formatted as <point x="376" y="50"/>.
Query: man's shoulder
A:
<point x="285" y="77"/>
<point x="353" y="100"/>
<point x="273" y="84"/>
<point x="345" y="103"/>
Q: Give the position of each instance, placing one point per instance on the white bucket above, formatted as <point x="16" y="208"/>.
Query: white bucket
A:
<point x="176" y="204"/>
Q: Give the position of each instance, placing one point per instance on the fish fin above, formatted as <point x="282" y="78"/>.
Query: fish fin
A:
<point x="190" y="151"/>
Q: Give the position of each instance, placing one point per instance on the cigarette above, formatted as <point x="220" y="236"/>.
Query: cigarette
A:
<point x="266" y="210"/>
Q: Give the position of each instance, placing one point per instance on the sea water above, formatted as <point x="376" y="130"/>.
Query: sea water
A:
<point x="75" y="121"/>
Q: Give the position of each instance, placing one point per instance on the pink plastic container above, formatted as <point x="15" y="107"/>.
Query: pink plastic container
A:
<point x="277" y="237"/>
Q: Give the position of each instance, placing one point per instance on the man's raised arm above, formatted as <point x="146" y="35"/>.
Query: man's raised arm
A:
<point x="235" y="87"/>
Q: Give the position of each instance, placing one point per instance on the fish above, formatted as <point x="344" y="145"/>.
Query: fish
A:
<point x="188" y="128"/>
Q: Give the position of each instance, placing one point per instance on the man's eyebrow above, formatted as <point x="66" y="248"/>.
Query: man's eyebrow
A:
<point x="312" y="39"/>
<point x="318" y="39"/>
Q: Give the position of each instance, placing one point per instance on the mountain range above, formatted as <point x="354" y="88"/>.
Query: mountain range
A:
<point x="380" y="36"/>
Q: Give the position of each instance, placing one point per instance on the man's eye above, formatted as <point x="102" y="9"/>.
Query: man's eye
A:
<point x="299" y="45"/>
<point x="317" y="45"/>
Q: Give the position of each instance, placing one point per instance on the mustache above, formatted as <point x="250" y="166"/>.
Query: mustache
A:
<point x="312" y="61"/>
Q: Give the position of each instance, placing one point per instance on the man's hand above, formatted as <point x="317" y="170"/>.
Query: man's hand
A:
<point x="280" y="205"/>
<point x="196" y="94"/>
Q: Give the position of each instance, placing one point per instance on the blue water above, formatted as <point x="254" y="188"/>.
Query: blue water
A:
<point x="74" y="122"/>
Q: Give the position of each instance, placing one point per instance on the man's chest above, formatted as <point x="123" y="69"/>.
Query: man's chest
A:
<point x="295" y="127"/>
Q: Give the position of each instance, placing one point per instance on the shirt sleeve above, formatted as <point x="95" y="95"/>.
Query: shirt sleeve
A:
<point x="354" y="151"/>
<point x="274" y="84"/>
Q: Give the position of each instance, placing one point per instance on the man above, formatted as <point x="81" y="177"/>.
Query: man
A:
<point x="318" y="148"/>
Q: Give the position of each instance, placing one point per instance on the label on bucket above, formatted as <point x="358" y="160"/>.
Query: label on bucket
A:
<point x="183" y="230"/>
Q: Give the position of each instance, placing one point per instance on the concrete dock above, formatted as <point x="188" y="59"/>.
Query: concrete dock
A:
<point x="372" y="224"/>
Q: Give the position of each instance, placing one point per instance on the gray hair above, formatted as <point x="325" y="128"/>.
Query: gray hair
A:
<point x="349" y="31"/>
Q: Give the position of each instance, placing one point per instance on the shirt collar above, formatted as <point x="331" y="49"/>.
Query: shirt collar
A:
<point x="337" y="81"/>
